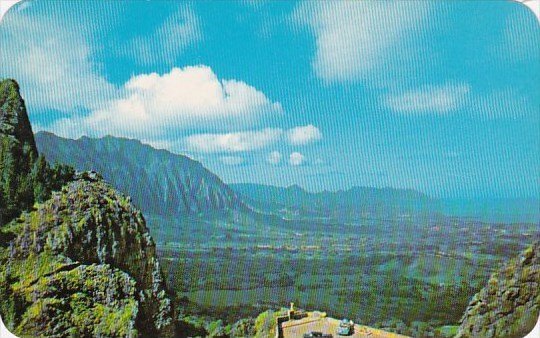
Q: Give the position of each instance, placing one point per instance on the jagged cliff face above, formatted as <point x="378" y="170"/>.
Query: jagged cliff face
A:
<point x="14" y="120"/>
<point x="84" y="262"/>
<point x="159" y="182"/>
<point x="17" y="152"/>
<point x="509" y="305"/>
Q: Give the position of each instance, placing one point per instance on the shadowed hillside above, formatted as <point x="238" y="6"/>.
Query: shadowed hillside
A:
<point x="158" y="181"/>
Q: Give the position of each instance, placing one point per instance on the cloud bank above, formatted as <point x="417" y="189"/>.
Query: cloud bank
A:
<point x="304" y="135"/>
<point x="193" y="96"/>
<point x="253" y="140"/>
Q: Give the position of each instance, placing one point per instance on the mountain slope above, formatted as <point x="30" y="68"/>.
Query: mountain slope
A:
<point x="158" y="181"/>
<point x="356" y="202"/>
<point x="509" y="305"/>
<point x="18" y="153"/>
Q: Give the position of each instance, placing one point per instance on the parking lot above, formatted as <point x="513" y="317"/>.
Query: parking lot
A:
<point x="297" y="328"/>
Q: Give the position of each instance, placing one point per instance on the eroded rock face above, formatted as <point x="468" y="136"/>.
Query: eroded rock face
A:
<point x="14" y="120"/>
<point x="87" y="300"/>
<point x="88" y="259"/>
<point x="509" y="305"/>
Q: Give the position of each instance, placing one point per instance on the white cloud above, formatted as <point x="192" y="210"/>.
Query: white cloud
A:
<point x="193" y="96"/>
<point x="53" y="63"/>
<point x="252" y="140"/>
<point x="232" y="160"/>
<point x="168" y="41"/>
<point x="430" y="99"/>
<point x="233" y="142"/>
<point x="274" y="157"/>
<point x="354" y="38"/>
<point x="296" y="159"/>
<point x="304" y="135"/>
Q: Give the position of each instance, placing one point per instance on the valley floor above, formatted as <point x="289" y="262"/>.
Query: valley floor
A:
<point x="381" y="273"/>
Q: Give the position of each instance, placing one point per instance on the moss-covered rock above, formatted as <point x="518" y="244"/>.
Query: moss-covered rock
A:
<point x="86" y="301"/>
<point x="83" y="264"/>
<point x="509" y="305"/>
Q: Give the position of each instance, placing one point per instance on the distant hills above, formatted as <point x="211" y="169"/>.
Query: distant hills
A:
<point x="295" y="202"/>
<point x="158" y="181"/>
<point x="163" y="183"/>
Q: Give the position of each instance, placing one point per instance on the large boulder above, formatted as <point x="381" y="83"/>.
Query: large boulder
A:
<point x="84" y="260"/>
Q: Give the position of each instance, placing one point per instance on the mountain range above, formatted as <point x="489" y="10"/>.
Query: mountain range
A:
<point x="168" y="184"/>
<point x="351" y="204"/>
<point x="163" y="183"/>
<point x="158" y="181"/>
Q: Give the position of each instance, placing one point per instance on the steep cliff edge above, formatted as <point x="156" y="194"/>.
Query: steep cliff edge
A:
<point x="25" y="177"/>
<point x="83" y="263"/>
<point x="14" y="120"/>
<point x="76" y="258"/>
<point x="509" y="305"/>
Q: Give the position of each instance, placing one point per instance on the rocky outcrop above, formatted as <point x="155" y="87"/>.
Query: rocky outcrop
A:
<point x="17" y="153"/>
<point x="14" y="120"/>
<point x="84" y="264"/>
<point x="509" y="305"/>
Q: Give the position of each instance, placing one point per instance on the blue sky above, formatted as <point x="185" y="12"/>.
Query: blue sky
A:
<point x="439" y="97"/>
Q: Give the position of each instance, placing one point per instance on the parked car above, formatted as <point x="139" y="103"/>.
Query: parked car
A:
<point x="316" y="334"/>
<point x="346" y="328"/>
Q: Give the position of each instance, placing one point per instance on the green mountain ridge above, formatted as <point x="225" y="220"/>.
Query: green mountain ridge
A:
<point x="158" y="181"/>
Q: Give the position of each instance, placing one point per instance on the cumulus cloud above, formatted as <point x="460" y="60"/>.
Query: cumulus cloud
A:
<point x="354" y="38"/>
<point x="296" y="159"/>
<point x="304" y="135"/>
<point x="168" y="41"/>
<point x="193" y="96"/>
<point x="274" y="158"/>
<point x="233" y="142"/>
<point x="430" y="99"/>
<point x="252" y="140"/>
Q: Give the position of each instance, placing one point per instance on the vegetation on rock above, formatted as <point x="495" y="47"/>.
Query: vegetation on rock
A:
<point x="509" y="305"/>
<point x="25" y="177"/>
<point x="76" y="258"/>
<point x="87" y="229"/>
